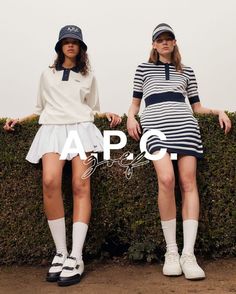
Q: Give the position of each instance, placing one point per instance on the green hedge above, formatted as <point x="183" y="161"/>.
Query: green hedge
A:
<point x="125" y="218"/>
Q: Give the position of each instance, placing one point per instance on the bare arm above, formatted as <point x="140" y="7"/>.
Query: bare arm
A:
<point x="134" y="107"/>
<point x="223" y="117"/>
<point x="28" y="118"/>
<point x="198" y="108"/>
<point x="133" y="126"/>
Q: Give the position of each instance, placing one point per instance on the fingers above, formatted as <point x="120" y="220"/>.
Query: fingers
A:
<point x="225" y="123"/>
<point x="14" y="123"/>
<point x="221" y="123"/>
<point x="108" y="116"/>
<point x="135" y="132"/>
<point x="134" y="128"/>
<point x="9" y="125"/>
<point x="139" y="129"/>
<point x="114" y="119"/>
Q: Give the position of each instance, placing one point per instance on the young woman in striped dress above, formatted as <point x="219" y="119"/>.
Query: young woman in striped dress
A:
<point x="67" y="101"/>
<point x="164" y="83"/>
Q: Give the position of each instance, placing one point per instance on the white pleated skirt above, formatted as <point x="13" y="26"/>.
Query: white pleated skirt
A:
<point x="52" y="138"/>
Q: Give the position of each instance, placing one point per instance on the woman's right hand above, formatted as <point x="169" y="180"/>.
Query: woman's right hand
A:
<point x="10" y="123"/>
<point x="133" y="128"/>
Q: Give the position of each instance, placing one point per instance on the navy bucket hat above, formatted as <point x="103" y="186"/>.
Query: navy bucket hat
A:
<point x="70" y="31"/>
<point x="162" y="28"/>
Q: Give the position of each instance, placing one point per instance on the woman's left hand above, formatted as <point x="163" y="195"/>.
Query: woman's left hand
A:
<point x="224" y="121"/>
<point x="115" y="119"/>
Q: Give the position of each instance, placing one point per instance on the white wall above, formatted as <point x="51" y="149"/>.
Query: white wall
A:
<point x="118" y="34"/>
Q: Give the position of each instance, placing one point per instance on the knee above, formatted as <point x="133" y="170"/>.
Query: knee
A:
<point x="187" y="183"/>
<point x="50" y="183"/>
<point x="81" y="188"/>
<point x="166" y="182"/>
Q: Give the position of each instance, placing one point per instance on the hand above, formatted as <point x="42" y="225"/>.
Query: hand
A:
<point x="224" y="121"/>
<point x="134" y="129"/>
<point x="115" y="119"/>
<point x="10" y="123"/>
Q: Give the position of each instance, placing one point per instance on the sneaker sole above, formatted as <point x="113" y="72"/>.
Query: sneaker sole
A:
<point x="69" y="281"/>
<point x="172" y="274"/>
<point x="195" y="278"/>
<point x="53" y="278"/>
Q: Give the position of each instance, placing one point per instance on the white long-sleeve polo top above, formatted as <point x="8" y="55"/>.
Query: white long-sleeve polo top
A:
<point x="65" y="96"/>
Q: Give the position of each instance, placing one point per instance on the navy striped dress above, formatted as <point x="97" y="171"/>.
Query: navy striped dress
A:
<point x="164" y="90"/>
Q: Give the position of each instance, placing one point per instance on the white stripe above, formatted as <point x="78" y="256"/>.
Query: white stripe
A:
<point x="161" y="29"/>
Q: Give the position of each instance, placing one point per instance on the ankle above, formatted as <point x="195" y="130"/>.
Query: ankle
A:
<point x="62" y="251"/>
<point x="172" y="248"/>
<point x="187" y="252"/>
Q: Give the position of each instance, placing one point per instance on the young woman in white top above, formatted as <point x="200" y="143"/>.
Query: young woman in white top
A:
<point x="67" y="100"/>
<point x="164" y="83"/>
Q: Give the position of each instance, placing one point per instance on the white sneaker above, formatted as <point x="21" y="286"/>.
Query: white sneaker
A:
<point x="190" y="267"/>
<point x="56" y="267"/>
<point x="172" y="266"/>
<point x="72" y="271"/>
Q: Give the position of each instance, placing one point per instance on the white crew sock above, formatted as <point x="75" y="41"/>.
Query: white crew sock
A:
<point x="58" y="231"/>
<point x="190" y="227"/>
<point x="78" y="237"/>
<point x="169" y="231"/>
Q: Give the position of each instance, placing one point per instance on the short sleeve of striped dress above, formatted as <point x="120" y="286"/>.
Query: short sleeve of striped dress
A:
<point x="138" y="83"/>
<point x="192" y="87"/>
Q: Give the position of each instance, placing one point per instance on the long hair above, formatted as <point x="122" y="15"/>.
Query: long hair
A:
<point x="82" y="61"/>
<point x="175" y="58"/>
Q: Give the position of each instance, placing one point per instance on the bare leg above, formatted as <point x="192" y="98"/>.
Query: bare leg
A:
<point x="52" y="176"/>
<point x="187" y="166"/>
<point x="81" y="208"/>
<point x="166" y="184"/>
<point x="54" y="210"/>
<point x="81" y="192"/>
<point x="167" y="207"/>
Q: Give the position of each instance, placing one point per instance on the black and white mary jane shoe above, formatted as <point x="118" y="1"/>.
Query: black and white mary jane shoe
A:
<point x="56" y="267"/>
<point x="72" y="271"/>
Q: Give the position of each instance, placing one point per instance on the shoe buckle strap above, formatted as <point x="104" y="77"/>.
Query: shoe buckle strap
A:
<point x="56" y="264"/>
<point x="59" y="254"/>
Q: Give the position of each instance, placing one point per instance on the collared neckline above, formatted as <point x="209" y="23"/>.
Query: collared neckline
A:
<point x="163" y="63"/>
<point x="74" y="68"/>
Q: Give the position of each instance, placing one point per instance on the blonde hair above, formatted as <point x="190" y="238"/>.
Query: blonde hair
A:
<point x="175" y="58"/>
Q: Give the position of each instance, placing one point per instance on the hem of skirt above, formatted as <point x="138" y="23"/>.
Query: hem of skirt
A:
<point x="31" y="160"/>
<point x="180" y="152"/>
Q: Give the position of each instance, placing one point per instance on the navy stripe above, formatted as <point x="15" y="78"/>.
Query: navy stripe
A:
<point x="178" y="151"/>
<point x="66" y="74"/>
<point x="180" y="143"/>
<point x="167" y="71"/>
<point x="194" y="99"/>
<point x="162" y="97"/>
<point x="137" y="95"/>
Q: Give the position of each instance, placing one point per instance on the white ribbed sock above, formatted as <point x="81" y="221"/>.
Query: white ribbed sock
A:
<point x="78" y="237"/>
<point x="169" y="231"/>
<point x="190" y="227"/>
<point x="58" y="231"/>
